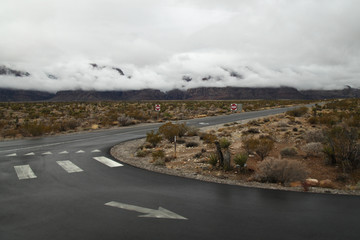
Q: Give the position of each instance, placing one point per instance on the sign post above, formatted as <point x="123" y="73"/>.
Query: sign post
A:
<point x="157" y="109"/>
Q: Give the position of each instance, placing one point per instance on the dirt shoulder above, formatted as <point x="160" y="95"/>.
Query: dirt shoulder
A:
<point x="125" y="152"/>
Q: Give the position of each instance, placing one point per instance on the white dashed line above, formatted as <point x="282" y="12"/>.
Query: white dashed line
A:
<point x="30" y="154"/>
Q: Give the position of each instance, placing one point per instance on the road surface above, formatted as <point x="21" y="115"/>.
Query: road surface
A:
<point x="69" y="187"/>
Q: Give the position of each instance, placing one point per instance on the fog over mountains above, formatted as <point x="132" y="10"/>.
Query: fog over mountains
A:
<point x="199" y="93"/>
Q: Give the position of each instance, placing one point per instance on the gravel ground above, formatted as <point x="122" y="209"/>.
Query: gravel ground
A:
<point x="125" y="152"/>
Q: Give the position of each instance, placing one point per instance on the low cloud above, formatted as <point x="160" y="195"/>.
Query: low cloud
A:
<point x="303" y="44"/>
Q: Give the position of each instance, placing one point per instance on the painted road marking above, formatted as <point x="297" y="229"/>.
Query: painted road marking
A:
<point x="108" y="162"/>
<point x="47" y="153"/>
<point x="150" y="213"/>
<point x="81" y="151"/>
<point x="30" y="154"/>
<point x="96" y="151"/>
<point x="64" y="152"/>
<point x="24" y="172"/>
<point x="69" y="166"/>
<point x="11" y="155"/>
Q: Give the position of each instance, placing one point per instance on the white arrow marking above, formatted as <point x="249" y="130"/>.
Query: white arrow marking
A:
<point x="108" y="162"/>
<point x="152" y="213"/>
<point x="11" y="155"/>
<point x="96" y="151"/>
<point x="203" y="123"/>
<point x="81" y="151"/>
<point x="30" y="154"/>
<point x="69" y="166"/>
<point x="47" y="153"/>
<point x="64" y="152"/>
<point x="24" y="172"/>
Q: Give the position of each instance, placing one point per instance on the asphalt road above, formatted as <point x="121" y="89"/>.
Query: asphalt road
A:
<point x="69" y="187"/>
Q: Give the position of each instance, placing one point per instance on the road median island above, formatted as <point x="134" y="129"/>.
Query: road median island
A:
<point x="125" y="152"/>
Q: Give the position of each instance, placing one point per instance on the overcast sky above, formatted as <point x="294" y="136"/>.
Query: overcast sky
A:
<point x="307" y="44"/>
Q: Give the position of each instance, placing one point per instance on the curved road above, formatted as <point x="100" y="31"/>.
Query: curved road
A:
<point x="69" y="187"/>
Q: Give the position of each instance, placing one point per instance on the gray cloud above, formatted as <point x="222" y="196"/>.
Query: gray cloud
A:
<point x="301" y="43"/>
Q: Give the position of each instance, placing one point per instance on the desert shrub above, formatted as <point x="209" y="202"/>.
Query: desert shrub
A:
<point x="314" y="136"/>
<point x="264" y="147"/>
<point x="288" y="152"/>
<point x="313" y="149"/>
<point x="192" y="144"/>
<point x="153" y="138"/>
<point x="329" y="119"/>
<point x="281" y="171"/>
<point x="141" y="153"/>
<point x="208" y="137"/>
<point x="249" y="144"/>
<point x="213" y="159"/>
<point x="313" y="120"/>
<point x="182" y="129"/>
<point x="125" y="121"/>
<point x="170" y="130"/>
<point x="198" y="155"/>
<point x="261" y="146"/>
<point x="224" y="143"/>
<point x="297" y="112"/>
<point x="158" y="157"/>
<point x="193" y="131"/>
<point x="241" y="159"/>
<point x="342" y="147"/>
<point x="10" y="133"/>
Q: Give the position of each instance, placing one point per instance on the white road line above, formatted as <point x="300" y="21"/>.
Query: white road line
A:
<point x="24" y="172"/>
<point x="64" y="152"/>
<point x="30" y="154"/>
<point x="47" y="153"/>
<point x="81" y="151"/>
<point x="96" y="151"/>
<point x="69" y="166"/>
<point x="11" y="155"/>
<point x="108" y="162"/>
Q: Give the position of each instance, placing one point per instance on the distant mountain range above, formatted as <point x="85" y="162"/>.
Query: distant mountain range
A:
<point x="202" y="93"/>
<point x="211" y="93"/>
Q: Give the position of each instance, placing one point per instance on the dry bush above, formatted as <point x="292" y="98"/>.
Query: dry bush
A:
<point x="170" y="130"/>
<point x="281" y="171"/>
<point x="158" y="157"/>
<point x="208" y="138"/>
<point x="297" y="112"/>
<point x="264" y="147"/>
<point x="342" y="147"/>
<point x="125" y="121"/>
<point x="314" y="136"/>
<point x="288" y="152"/>
<point x="153" y="138"/>
<point x="314" y="149"/>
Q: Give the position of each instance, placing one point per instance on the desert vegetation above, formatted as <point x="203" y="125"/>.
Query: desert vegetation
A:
<point x="43" y="118"/>
<point x="305" y="147"/>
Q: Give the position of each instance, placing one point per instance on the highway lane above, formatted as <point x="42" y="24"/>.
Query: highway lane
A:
<point x="57" y="204"/>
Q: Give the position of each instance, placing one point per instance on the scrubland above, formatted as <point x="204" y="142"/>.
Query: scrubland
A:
<point x="303" y="148"/>
<point x="35" y="119"/>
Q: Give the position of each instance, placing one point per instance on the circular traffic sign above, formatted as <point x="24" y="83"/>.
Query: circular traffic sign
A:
<point x="233" y="107"/>
<point x="157" y="107"/>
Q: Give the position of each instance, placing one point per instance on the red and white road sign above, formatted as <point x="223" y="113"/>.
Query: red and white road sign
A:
<point x="157" y="107"/>
<point x="233" y="107"/>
